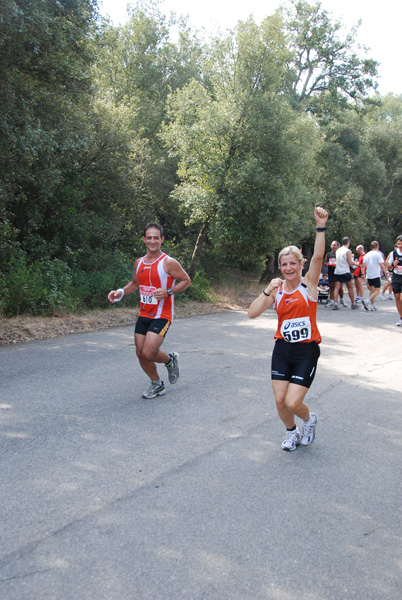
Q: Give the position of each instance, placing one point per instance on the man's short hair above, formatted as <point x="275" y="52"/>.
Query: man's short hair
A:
<point x="374" y="244"/>
<point x="153" y="226"/>
<point x="345" y="241"/>
<point x="399" y="238"/>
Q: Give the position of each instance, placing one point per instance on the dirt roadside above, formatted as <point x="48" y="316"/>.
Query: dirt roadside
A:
<point x="27" y="329"/>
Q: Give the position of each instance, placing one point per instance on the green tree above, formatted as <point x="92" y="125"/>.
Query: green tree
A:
<point x="326" y="69"/>
<point x="46" y="51"/>
<point x="384" y="135"/>
<point x="138" y="65"/>
<point x="245" y="158"/>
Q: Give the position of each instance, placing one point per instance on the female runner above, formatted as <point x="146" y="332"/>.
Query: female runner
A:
<point x="296" y="350"/>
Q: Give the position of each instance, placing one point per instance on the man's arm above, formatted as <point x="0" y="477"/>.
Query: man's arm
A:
<point x="175" y="270"/>
<point x="384" y="268"/>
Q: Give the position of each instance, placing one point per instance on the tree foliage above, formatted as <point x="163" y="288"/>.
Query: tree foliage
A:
<point x="326" y="67"/>
<point x="244" y="156"/>
<point x="227" y="141"/>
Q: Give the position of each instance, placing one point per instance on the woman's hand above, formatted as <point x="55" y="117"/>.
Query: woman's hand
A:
<point x="321" y="216"/>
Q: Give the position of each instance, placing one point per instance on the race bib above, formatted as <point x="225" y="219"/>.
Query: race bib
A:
<point x="332" y="262"/>
<point x="398" y="270"/>
<point x="147" y="294"/>
<point x="296" y="330"/>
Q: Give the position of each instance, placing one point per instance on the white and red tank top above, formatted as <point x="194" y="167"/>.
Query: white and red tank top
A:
<point x="152" y="276"/>
<point x="297" y="315"/>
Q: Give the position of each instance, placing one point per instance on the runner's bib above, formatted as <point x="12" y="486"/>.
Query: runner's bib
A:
<point x="332" y="262"/>
<point x="398" y="270"/>
<point x="296" y="330"/>
<point x="147" y="294"/>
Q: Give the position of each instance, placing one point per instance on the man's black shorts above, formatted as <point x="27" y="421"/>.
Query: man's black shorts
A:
<point x="375" y="282"/>
<point x="331" y="276"/>
<point x="296" y="363"/>
<point x="343" y="278"/>
<point x="159" y="326"/>
<point x="397" y="284"/>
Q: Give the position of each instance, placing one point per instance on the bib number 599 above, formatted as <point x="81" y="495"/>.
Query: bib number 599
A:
<point x="296" y="335"/>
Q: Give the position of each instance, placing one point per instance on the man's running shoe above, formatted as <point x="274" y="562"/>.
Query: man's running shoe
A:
<point x="343" y="303"/>
<point x="308" y="430"/>
<point x="155" y="389"/>
<point x="291" y="440"/>
<point x="335" y="306"/>
<point x="365" y="304"/>
<point x="173" y="367"/>
<point x="354" y="306"/>
<point x="374" y="308"/>
<point x="399" y="324"/>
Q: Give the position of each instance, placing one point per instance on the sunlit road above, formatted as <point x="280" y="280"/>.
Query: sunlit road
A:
<point x="105" y="495"/>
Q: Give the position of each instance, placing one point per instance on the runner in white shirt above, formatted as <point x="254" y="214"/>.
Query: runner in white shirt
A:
<point x="373" y="265"/>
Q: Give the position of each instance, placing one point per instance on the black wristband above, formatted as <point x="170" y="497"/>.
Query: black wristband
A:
<point x="321" y="229"/>
<point x="265" y="293"/>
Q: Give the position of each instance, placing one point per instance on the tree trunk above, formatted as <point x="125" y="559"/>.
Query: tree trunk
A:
<point x="198" y="247"/>
<point x="268" y="272"/>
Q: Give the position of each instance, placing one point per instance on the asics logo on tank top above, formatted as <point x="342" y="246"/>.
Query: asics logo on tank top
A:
<point x="289" y="300"/>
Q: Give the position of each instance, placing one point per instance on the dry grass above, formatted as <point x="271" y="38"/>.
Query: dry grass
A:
<point x="234" y="292"/>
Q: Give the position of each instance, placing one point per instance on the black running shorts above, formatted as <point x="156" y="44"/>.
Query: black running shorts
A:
<point x="375" y="282"/>
<point x="397" y="284"/>
<point x="159" y="326"/>
<point x="296" y="363"/>
<point x="344" y="278"/>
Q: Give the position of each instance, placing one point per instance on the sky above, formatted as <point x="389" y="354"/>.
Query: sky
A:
<point x="379" y="31"/>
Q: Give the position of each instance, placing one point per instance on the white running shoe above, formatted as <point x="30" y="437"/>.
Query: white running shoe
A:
<point x="343" y="303"/>
<point x="365" y="304"/>
<point x="399" y="324"/>
<point x="374" y="308"/>
<point x="308" y="430"/>
<point x="155" y="389"/>
<point x="291" y="440"/>
<point x="381" y="297"/>
<point x="173" y="367"/>
<point x="391" y="297"/>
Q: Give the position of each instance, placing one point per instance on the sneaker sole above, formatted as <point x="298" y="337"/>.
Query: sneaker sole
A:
<point x="161" y="393"/>
<point x="290" y="449"/>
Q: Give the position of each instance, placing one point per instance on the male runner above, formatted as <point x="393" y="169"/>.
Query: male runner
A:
<point x="330" y="263"/>
<point x="358" y="274"/>
<point x="156" y="275"/>
<point x="396" y="264"/>
<point x="344" y="261"/>
<point x="373" y="263"/>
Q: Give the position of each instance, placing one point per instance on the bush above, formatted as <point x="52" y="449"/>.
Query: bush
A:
<point x="200" y="289"/>
<point x="40" y="288"/>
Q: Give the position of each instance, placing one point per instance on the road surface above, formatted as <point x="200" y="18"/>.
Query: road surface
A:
<point x="105" y="495"/>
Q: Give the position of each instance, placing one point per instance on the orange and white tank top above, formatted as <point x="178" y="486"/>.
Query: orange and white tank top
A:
<point x="152" y="276"/>
<point x="297" y="315"/>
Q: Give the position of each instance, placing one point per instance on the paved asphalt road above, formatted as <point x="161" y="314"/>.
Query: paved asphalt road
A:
<point x="105" y="495"/>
